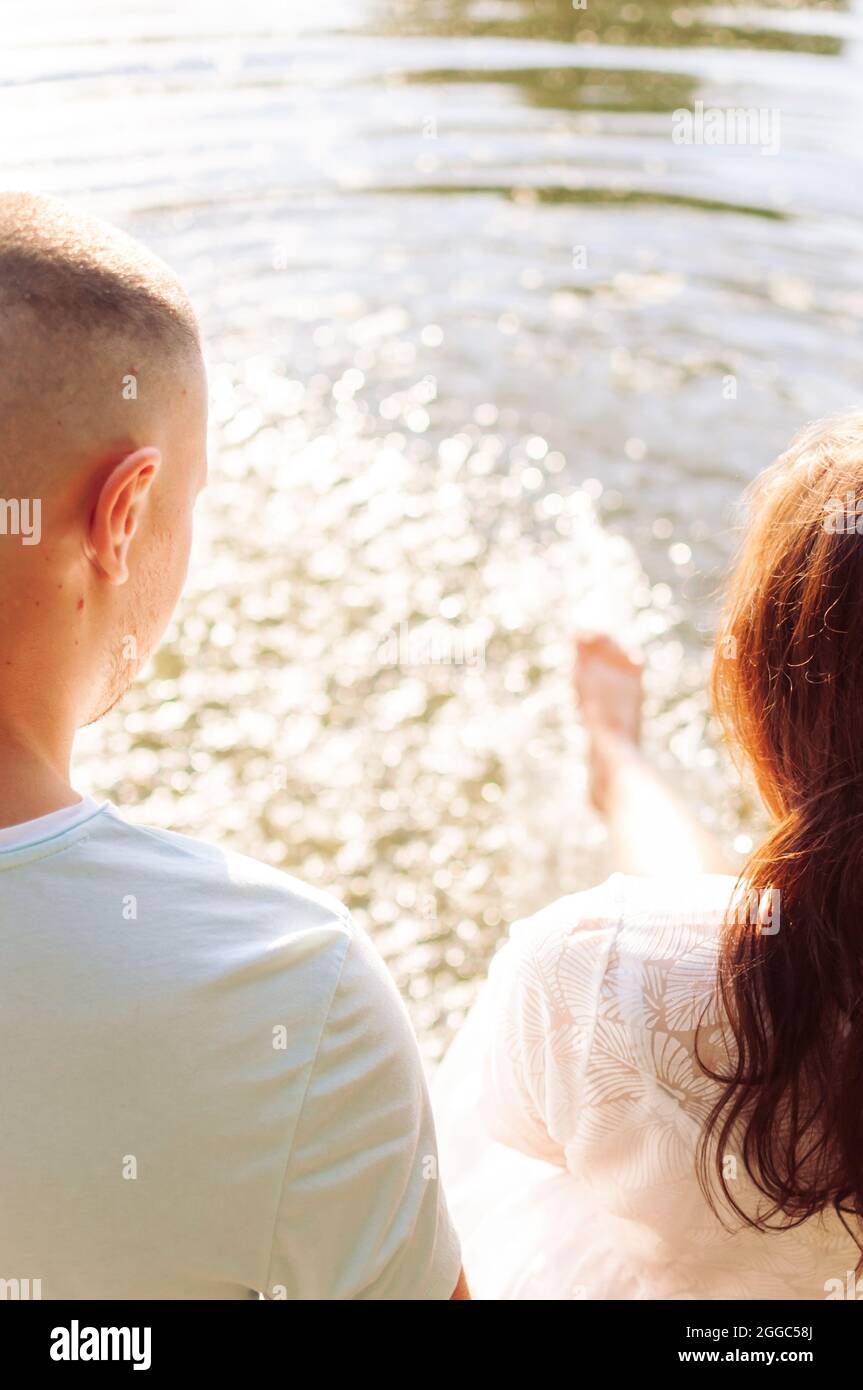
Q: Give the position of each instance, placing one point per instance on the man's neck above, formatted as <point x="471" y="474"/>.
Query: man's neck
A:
<point x="32" y="783"/>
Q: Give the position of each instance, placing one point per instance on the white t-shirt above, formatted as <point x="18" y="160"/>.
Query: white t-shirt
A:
<point x="26" y="832"/>
<point x="571" y="1106"/>
<point x="209" y="1086"/>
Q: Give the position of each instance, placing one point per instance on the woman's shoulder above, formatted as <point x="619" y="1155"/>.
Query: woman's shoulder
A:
<point x="662" y="917"/>
<point x="636" y="949"/>
<point x="590" y="1008"/>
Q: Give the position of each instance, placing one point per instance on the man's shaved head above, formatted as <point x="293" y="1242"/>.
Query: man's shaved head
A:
<point x="103" y="427"/>
<point x="78" y="275"/>
<point x="83" y="309"/>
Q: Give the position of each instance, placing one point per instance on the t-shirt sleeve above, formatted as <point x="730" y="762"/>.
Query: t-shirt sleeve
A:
<point x="362" y="1212"/>
<point x="544" y="997"/>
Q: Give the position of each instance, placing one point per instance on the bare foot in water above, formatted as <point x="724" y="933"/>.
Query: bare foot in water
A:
<point x="607" y="684"/>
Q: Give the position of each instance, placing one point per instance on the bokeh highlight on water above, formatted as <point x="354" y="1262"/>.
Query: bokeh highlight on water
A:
<point x="471" y="317"/>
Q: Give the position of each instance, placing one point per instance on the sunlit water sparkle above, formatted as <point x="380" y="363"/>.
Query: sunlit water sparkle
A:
<point x="469" y="314"/>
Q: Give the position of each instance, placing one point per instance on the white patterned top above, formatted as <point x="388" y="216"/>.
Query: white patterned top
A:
<point x="571" y="1105"/>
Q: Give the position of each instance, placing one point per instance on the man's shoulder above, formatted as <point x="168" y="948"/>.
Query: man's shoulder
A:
<point x="206" y="881"/>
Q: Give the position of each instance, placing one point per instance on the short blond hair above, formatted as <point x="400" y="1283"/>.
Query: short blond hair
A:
<point x="76" y="273"/>
<point x="84" y="310"/>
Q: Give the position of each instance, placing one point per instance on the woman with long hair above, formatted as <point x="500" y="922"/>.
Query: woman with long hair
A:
<point x="659" y="1093"/>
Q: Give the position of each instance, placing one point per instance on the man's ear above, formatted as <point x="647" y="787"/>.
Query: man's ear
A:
<point x="117" y="512"/>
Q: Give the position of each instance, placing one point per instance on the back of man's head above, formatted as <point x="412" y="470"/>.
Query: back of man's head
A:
<point x="82" y="308"/>
<point x="102" y="436"/>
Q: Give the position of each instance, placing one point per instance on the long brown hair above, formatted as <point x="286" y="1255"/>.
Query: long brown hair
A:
<point x="788" y="689"/>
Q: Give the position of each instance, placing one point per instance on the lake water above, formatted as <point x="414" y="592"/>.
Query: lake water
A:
<point x="492" y="352"/>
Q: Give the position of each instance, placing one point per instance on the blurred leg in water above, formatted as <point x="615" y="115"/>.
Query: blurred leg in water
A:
<point x="653" y="832"/>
